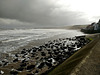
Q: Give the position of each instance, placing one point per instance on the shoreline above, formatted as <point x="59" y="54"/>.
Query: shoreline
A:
<point x="38" y="42"/>
<point x="42" y="41"/>
<point x="35" y="43"/>
<point x="32" y="44"/>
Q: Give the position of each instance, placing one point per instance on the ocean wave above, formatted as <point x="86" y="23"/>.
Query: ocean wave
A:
<point x="12" y="39"/>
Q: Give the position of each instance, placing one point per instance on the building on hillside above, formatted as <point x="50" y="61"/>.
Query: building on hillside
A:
<point x="95" y="26"/>
<point x="92" y="28"/>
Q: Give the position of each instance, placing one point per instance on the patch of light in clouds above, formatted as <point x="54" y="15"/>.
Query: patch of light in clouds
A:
<point x="88" y="7"/>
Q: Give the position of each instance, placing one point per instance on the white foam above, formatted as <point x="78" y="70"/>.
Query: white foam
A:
<point x="12" y="39"/>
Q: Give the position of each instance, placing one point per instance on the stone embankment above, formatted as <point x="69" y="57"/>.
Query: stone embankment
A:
<point x="84" y="62"/>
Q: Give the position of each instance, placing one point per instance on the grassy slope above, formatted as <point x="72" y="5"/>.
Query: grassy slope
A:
<point x="67" y="66"/>
<point x="75" y="27"/>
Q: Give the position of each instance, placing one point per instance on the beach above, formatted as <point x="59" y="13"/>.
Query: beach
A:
<point x="10" y="54"/>
<point x="14" y="64"/>
<point x="49" y="37"/>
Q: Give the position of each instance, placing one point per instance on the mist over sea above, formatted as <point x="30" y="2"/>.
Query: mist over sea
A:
<point x="11" y="39"/>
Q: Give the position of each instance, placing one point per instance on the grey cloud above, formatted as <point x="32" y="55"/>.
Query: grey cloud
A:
<point x="40" y="12"/>
<point x="13" y="23"/>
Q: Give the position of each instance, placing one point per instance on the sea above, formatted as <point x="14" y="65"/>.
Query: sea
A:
<point x="12" y="39"/>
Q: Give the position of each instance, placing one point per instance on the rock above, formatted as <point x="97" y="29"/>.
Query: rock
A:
<point x="23" y="64"/>
<point x="41" y="65"/>
<point x="1" y="72"/>
<point x="0" y="65"/>
<point x="14" y="72"/>
<point x="5" y="63"/>
<point x="36" y="71"/>
<point x="16" y="55"/>
<point x="15" y="60"/>
<point x="30" y="74"/>
<point x="20" y="69"/>
<point x="30" y="67"/>
<point x="22" y="52"/>
<point x="43" y="54"/>
<point x="49" y="64"/>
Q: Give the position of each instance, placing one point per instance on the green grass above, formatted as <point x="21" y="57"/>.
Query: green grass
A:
<point x="68" y="65"/>
<point x="90" y="39"/>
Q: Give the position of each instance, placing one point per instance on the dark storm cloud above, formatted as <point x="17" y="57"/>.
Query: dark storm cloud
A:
<point x="41" y="12"/>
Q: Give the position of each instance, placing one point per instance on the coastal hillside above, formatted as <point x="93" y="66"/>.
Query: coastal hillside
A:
<point x="92" y="28"/>
<point x="75" y="27"/>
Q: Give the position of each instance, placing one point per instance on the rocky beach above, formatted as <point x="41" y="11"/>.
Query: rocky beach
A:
<point x="49" y="37"/>
<point x="39" y="60"/>
<point x="50" y="56"/>
<point x="45" y="56"/>
<point x="40" y="56"/>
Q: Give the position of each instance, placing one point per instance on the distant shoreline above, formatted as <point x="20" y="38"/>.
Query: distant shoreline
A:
<point x="72" y="27"/>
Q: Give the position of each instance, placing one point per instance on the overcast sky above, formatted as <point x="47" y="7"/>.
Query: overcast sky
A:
<point x="48" y="12"/>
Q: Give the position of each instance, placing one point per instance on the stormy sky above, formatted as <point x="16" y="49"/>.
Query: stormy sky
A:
<point x="48" y="12"/>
